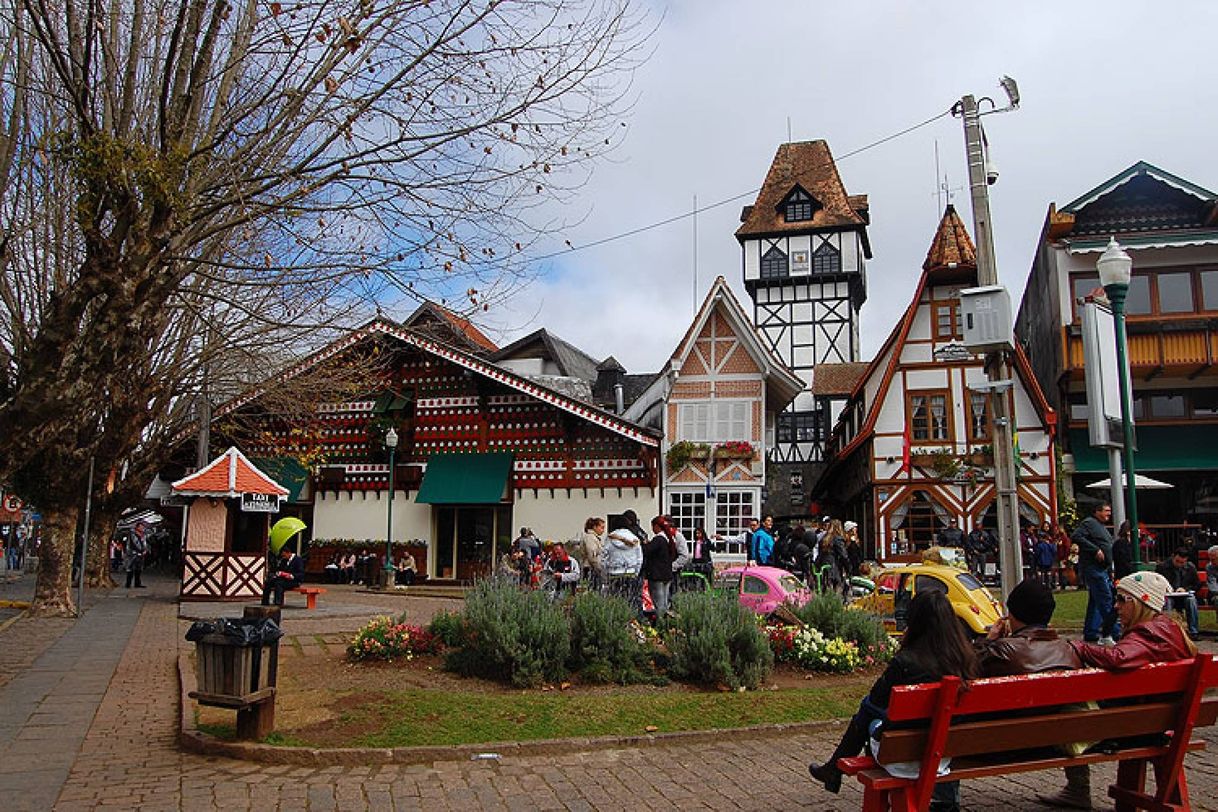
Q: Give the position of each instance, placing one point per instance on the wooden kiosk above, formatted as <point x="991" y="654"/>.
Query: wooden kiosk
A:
<point x="227" y="525"/>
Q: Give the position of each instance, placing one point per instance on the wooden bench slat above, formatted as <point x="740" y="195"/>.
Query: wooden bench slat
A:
<point x="1003" y="694"/>
<point x="1044" y="730"/>
<point x="872" y="775"/>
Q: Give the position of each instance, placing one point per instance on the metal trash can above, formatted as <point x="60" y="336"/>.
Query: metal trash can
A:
<point x="233" y="657"/>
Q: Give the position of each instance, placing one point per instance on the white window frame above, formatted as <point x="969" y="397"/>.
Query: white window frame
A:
<point x="688" y="510"/>
<point x="715" y="421"/>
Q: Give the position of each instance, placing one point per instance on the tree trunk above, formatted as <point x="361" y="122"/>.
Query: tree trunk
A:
<point x="97" y="573"/>
<point x="53" y="589"/>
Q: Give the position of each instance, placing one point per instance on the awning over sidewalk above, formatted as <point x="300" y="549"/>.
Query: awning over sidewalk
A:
<point x="465" y="479"/>
<point x="1192" y="447"/>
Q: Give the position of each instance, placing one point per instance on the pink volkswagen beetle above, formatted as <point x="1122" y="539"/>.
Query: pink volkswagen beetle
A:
<point x="763" y="589"/>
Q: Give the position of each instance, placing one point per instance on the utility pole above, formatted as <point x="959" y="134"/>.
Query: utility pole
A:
<point x="997" y="364"/>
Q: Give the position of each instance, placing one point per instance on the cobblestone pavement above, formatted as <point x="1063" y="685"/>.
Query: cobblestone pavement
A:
<point x="128" y="757"/>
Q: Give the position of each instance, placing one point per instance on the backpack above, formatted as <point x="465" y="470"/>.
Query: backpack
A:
<point x="1045" y="554"/>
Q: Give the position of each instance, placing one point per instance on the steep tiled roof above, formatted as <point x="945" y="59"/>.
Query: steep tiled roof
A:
<point x="837" y="379"/>
<point x="230" y="474"/>
<point x="455" y="329"/>
<point x="809" y="165"/>
<point x="952" y="248"/>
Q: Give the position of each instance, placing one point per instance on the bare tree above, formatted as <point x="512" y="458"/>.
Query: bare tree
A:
<point x="260" y="172"/>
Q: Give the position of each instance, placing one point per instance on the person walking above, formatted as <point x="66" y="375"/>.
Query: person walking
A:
<point x="933" y="646"/>
<point x="623" y="561"/>
<point x="1122" y="552"/>
<point x="761" y="544"/>
<point x="591" y="551"/>
<point x="658" y="555"/>
<point x="134" y="550"/>
<point x="854" y="547"/>
<point x="1095" y="561"/>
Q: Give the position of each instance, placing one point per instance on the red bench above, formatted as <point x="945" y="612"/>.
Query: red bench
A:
<point x="310" y="593"/>
<point x="1015" y="724"/>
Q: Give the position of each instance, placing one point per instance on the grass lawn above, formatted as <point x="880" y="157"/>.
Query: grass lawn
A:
<point x="1072" y="606"/>
<point x="422" y="717"/>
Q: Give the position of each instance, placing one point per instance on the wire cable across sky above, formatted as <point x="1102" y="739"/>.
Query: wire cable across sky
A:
<point x="699" y="209"/>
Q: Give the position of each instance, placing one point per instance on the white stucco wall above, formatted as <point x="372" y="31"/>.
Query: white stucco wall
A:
<point x="560" y="515"/>
<point x="363" y="515"/>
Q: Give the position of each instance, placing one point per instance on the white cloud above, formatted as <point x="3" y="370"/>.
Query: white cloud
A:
<point x="1104" y="84"/>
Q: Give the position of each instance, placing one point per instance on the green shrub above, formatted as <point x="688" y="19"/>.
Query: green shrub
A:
<point x="604" y="647"/>
<point x="449" y="628"/>
<point x="512" y="634"/>
<point x="713" y="640"/>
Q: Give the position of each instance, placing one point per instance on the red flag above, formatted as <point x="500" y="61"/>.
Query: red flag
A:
<point x="906" y="442"/>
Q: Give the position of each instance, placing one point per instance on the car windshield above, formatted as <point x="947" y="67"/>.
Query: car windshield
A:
<point x="791" y="584"/>
<point x="968" y="581"/>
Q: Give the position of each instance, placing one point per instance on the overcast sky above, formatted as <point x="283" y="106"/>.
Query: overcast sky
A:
<point x="1103" y="84"/>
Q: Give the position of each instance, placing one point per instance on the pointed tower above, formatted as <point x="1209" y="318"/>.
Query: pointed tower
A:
<point x="804" y="243"/>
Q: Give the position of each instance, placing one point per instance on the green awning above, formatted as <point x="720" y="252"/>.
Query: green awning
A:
<point x="287" y="471"/>
<point x="1191" y="447"/>
<point x="465" y="479"/>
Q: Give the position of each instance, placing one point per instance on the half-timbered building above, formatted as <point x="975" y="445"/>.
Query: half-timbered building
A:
<point x="716" y="401"/>
<point x="912" y="453"/>
<point x="804" y="246"/>
<point x="482" y="451"/>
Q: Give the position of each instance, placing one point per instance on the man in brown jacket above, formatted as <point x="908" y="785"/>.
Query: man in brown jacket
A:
<point x="1023" y="643"/>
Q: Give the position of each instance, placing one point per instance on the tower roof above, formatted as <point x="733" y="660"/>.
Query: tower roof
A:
<point x="809" y="166"/>
<point x="952" y="249"/>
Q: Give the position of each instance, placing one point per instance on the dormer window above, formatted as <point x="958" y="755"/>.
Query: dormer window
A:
<point x="826" y="259"/>
<point x="799" y="206"/>
<point x="774" y="264"/>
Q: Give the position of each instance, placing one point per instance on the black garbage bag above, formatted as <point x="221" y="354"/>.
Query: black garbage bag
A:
<point x="235" y="631"/>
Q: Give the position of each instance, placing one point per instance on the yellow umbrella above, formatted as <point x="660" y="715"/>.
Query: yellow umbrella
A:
<point x="283" y="530"/>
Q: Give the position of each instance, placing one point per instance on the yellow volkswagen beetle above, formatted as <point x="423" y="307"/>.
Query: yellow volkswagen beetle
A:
<point x="896" y="586"/>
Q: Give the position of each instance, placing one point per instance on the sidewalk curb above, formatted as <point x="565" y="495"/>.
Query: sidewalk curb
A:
<point x="4" y="626"/>
<point x="192" y="740"/>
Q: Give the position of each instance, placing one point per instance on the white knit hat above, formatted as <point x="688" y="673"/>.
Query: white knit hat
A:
<point x="1150" y="588"/>
<point x="848" y="526"/>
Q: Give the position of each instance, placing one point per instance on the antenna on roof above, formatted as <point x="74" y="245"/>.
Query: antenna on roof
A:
<point x="788" y="129"/>
<point x="942" y="187"/>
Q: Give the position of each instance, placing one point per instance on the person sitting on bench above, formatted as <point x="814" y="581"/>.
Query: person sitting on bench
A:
<point x="405" y="570"/>
<point x="1150" y="636"/>
<point x="933" y="646"/>
<point x="288" y="576"/>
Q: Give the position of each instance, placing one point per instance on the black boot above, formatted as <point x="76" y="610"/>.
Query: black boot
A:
<point x="852" y="743"/>
<point x="827" y="774"/>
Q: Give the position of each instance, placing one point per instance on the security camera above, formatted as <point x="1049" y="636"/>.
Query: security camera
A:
<point x="991" y="172"/>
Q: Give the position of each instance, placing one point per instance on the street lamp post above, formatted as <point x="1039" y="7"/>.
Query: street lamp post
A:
<point x="1114" y="266"/>
<point x="391" y="443"/>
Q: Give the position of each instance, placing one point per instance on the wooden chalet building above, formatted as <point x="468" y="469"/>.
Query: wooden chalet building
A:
<point x="804" y="248"/>
<point x="1169" y="226"/>
<point x="482" y="451"/>
<point x="914" y="402"/>
<point x="716" y="402"/>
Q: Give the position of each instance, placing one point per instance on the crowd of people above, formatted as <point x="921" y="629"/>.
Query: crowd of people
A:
<point x="659" y="559"/>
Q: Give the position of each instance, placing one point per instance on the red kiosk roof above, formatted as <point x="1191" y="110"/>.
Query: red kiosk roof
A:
<point x="230" y="474"/>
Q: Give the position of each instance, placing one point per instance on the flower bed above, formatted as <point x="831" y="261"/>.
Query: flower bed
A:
<point x="387" y="639"/>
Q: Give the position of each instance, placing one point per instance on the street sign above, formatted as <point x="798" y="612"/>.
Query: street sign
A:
<point x="260" y="503"/>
